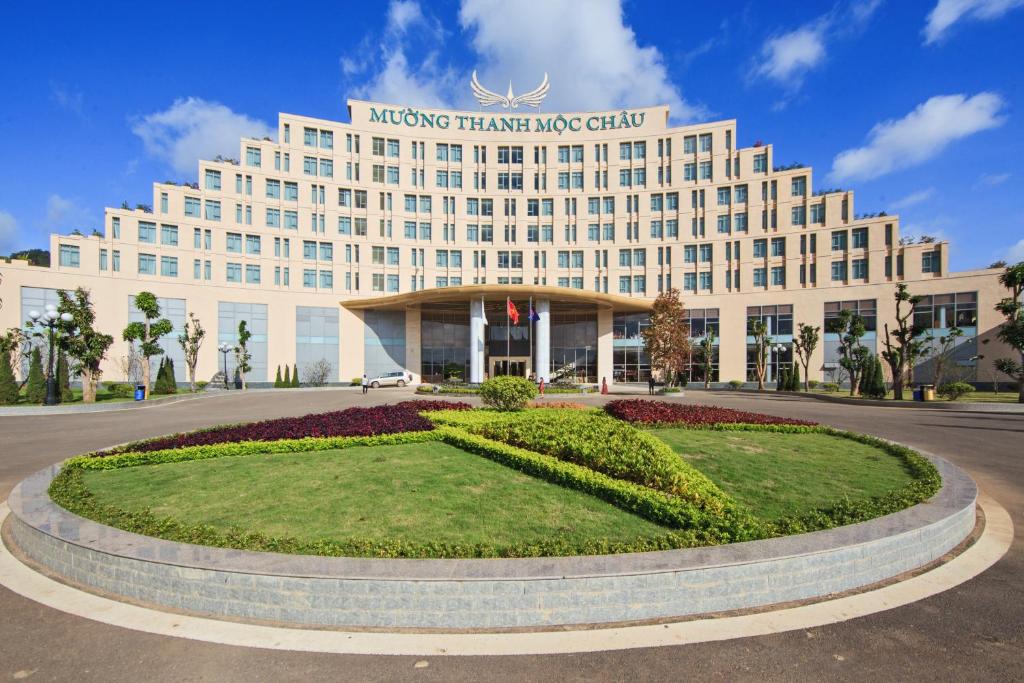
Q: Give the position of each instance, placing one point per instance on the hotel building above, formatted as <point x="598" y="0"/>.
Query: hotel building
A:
<point x="391" y="243"/>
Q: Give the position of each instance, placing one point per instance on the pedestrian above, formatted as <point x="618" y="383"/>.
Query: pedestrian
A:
<point x="650" y="385"/>
<point x="604" y="385"/>
<point x="542" y="387"/>
<point x="366" y="383"/>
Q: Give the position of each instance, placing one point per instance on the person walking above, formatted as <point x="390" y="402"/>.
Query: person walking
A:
<point x="366" y="383"/>
<point x="650" y="385"/>
<point x="542" y="387"/>
<point x="604" y="385"/>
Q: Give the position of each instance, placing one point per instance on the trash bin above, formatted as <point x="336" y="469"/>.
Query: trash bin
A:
<point x="140" y="392"/>
<point x="928" y="392"/>
<point x="919" y="394"/>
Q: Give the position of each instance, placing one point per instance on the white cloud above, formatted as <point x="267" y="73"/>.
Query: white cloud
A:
<point x="592" y="58"/>
<point x="8" y="232"/>
<point x="65" y="215"/>
<point x="66" y="97"/>
<point x="992" y="179"/>
<point x="1015" y="254"/>
<point x="193" y="129"/>
<point x="788" y="57"/>
<point x="919" y="136"/>
<point x="914" y="198"/>
<point x="948" y="12"/>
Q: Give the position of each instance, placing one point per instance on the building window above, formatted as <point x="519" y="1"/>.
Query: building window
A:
<point x="212" y="180"/>
<point x="147" y="264"/>
<point x="147" y="233"/>
<point x="838" y="271"/>
<point x="859" y="269"/>
<point x="760" y="277"/>
<point x="860" y="238"/>
<point x="839" y="240"/>
<point x="69" y="256"/>
<point x="169" y="266"/>
<point x="169" y="235"/>
<point x="930" y="262"/>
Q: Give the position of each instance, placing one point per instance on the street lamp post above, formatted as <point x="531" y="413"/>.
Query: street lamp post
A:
<point x="49" y="319"/>
<point x="778" y="349"/>
<point x="225" y="348"/>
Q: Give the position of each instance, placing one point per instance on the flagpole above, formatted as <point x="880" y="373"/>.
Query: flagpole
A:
<point x="529" y="330"/>
<point x="508" y="337"/>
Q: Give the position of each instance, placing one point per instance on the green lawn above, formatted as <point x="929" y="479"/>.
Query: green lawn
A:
<point x="777" y="475"/>
<point x="418" y="492"/>
<point x="101" y="397"/>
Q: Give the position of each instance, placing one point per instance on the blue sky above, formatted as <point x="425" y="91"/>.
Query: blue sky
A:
<point x="917" y="105"/>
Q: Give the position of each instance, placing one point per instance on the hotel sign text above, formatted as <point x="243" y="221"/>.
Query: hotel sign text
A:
<point x="414" y="118"/>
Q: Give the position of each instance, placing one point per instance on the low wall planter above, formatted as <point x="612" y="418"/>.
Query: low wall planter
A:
<point x="492" y="593"/>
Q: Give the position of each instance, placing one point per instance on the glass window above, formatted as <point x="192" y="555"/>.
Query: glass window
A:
<point x="147" y="264"/>
<point x="70" y="256"/>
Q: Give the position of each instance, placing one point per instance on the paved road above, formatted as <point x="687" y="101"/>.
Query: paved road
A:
<point x="973" y="632"/>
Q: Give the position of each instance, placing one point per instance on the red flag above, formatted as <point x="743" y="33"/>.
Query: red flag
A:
<point x="513" y="312"/>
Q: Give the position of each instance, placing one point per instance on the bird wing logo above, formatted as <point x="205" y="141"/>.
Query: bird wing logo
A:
<point x="488" y="98"/>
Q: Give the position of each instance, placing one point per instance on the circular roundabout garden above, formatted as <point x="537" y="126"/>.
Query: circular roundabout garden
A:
<point x="436" y="514"/>
<point x="435" y="479"/>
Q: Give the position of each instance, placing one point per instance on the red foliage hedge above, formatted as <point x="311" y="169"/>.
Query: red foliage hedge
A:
<point x="662" y="412"/>
<point x="386" y="419"/>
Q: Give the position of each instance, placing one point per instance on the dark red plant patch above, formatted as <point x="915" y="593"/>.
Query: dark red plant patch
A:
<point x="386" y="419"/>
<point x="662" y="412"/>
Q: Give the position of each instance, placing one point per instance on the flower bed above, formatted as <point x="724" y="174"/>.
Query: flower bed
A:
<point x="386" y="419"/>
<point x="662" y="413"/>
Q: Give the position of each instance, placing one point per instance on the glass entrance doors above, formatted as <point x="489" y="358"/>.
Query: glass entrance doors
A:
<point x="516" y="367"/>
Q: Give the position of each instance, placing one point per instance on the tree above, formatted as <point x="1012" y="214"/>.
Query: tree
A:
<point x="758" y="329"/>
<point x="64" y="378"/>
<point x="242" y="355"/>
<point x="947" y="345"/>
<point x="707" y="356"/>
<point x="8" y="385"/>
<point x="295" y="376"/>
<point x="872" y="384"/>
<point x="287" y="381"/>
<point x="794" y="377"/>
<point x="165" y="380"/>
<point x="85" y="345"/>
<point x="904" y="345"/>
<point x="1012" y="331"/>
<point x="148" y="332"/>
<point x="190" y="340"/>
<point x="782" y="380"/>
<point x="804" y="344"/>
<point x="277" y="378"/>
<point x="317" y="374"/>
<point x="667" y="338"/>
<point x="15" y="348"/>
<point x="852" y="354"/>
<point x="36" y="380"/>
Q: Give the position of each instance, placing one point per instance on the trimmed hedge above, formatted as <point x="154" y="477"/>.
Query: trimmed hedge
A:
<point x="609" y="446"/>
<point x="664" y="413"/>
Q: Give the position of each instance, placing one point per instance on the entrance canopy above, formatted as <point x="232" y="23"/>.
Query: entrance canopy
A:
<point x="518" y="293"/>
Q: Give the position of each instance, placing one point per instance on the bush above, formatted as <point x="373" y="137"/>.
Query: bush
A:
<point x="735" y="384"/>
<point x="165" y="382"/>
<point x="200" y="385"/>
<point x="830" y="387"/>
<point x="295" y="376"/>
<point x="813" y="383"/>
<point x="386" y="419"/>
<point x="277" y="378"/>
<point x="954" y="390"/>
<point x="507" y="393"/>
<point x="64" y="379"/>
<point x="317" y="374"/>
<point x="121" y="389"/>
<point x="356" y="381"/>
<point x="661" y="413"/>
<point x="671" y="390"/>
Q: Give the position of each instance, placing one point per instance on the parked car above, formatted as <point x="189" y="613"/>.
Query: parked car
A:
<point x="391" y="379"/>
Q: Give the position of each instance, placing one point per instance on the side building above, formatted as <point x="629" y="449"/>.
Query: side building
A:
<point x="393" y="242"/>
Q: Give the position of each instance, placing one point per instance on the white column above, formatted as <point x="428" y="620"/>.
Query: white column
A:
<point x="476" y="341"/>
<point x="542" y="331"/>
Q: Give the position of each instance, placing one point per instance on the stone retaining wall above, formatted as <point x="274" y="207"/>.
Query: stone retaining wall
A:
<point x="459" y="594"/>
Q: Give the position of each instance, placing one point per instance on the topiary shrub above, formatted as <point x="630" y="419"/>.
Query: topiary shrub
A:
<point x="36" y="389"/>
<point x="954" y="390"/>
<point x="356" y="381"/>
<point x="8" y="385"/>
<point x="830" y="387"/>
<point x="64" y="379"/>
<point x="507" y="393"/>
<point x="813" y="383"/>
<point x="735" y="384"/>
<point x="120" y="389"/>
